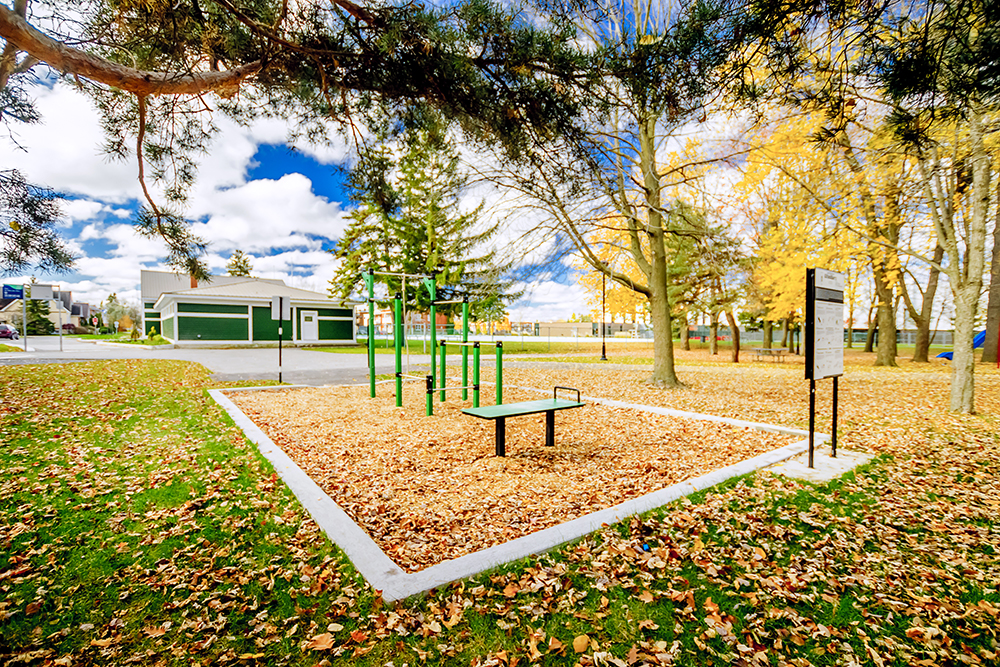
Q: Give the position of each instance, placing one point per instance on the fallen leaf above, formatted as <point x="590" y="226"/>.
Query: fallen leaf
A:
<point x="581" y="643"/>
<point x="321" y="642"/>
<point x="646" y="597"/>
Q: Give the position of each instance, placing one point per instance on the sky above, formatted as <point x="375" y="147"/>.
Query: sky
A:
<point x="285" y="208"/>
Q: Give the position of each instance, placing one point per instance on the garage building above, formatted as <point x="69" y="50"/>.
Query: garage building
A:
<point x="240" y="312"/>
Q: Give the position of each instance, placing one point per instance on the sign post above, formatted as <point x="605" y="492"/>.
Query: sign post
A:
<point x="824" y="341"/>
<point x="281" y="310"/>
<point x="15" y="292"/>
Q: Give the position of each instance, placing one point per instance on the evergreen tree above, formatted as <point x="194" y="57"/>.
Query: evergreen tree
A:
<point x="39" y="323"/>
<point x="239" y="265"/>
<point x="409" y="221"/>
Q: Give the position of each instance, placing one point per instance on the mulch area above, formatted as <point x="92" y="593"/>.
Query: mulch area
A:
<point x="430" y="489"/>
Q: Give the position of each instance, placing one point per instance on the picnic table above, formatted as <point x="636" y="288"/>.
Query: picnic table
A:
<point x="777" y="353"/>
<point x="499" y="414"/>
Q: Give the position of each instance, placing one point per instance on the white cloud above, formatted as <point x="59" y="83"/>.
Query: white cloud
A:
<point x="80" y="210"/>
<point x="63" y="152"/>
<point x="548" y="300"/>
<point x="265" y="214"/>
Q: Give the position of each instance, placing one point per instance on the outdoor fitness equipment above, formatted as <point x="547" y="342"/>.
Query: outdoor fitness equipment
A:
<point x="399" y="335"/>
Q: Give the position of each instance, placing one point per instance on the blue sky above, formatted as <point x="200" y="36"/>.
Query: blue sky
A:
<point x="285" y="208"/>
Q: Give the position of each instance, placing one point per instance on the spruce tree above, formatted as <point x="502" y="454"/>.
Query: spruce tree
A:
<point x="409" y="220"/>
<point x="239" y="265"/>
<point x="39" y="323"/>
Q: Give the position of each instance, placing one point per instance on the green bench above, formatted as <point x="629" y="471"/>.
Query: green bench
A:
<point x="499" y="414"/>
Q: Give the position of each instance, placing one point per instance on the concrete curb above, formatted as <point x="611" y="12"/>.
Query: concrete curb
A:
<point x="134" y="346"/>
<point x="395" y="584"/>
<point x="670" y="412"/>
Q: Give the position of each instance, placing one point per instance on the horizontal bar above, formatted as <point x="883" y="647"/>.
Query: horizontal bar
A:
<point x="459" y="343"/>
<point x="413" y="377"/>
<point x="438" y="303"/>
<point x="471" y="386"/>
<point x="405" y="275"/>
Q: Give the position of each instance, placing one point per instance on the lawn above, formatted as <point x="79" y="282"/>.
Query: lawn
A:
<point x="9" y="348"/>
<point x="138" y="526"/>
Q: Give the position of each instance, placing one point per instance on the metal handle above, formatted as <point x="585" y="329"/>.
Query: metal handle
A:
<point x="555" y="389"/>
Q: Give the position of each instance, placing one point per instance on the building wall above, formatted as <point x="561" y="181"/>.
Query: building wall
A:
<point x="151" y="318"/>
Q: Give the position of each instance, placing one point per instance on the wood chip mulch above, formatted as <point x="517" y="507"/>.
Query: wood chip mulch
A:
<point x="430" y="489"/>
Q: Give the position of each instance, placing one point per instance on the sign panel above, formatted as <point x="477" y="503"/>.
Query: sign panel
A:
<point x="13" y="292"/>
<point x="281" y="308"/>
<point x="824" y="324"/>
<point x="41" y="292"/>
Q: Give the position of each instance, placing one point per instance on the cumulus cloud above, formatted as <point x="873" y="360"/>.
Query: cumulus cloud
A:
<point x="266" y="214"/>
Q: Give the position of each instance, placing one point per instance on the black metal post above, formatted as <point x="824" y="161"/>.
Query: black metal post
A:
<point x="834" y="434"/>
<point x="501" y="437"/>
<point x="604" y="351"/>
<point x="812" y="419"/>
<point x="550" y="428"/>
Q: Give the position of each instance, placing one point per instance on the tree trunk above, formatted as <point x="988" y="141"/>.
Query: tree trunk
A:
<point x="685" y="333"/>
<point x="886" y="351"/>
<point x="664" y="374"/>
<point x="768" y="328"/>
<point x="923" y="318"/>
<point x="734" y="330"/>
<point x="784" y="334"/>
<point x="967" y="280"/>
<point x="870" y="336"/>
<point x="713" y="331"/>
<point x="993" y="307"/>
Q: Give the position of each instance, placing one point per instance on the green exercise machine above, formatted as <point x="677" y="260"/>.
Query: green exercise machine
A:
<point x="399" y="336"/>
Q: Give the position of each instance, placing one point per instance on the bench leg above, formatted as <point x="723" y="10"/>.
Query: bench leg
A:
<point x="550" y="428"/>
<point x="501" y="437"/>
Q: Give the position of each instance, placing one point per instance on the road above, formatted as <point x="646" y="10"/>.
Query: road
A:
<point x="299" y="365"/>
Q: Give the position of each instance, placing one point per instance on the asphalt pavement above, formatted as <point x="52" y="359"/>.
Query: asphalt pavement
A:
<point x="298" y="365"/>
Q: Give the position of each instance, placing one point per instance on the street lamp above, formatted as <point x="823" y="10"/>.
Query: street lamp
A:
<point x="604" y="355"/>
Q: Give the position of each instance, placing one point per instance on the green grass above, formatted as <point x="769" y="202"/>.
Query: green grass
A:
<point x="138" y="526"/>
<point x="9" y="348"/>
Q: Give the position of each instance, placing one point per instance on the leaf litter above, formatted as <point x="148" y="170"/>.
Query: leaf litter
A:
<point x="430" y="489"/>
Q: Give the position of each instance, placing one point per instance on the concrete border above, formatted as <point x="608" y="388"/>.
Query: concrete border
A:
<point x="395" y="584"/>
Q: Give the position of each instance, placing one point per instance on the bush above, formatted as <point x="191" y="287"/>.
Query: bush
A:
<point x="104" y="330"/>
<point x="81" y="330"/>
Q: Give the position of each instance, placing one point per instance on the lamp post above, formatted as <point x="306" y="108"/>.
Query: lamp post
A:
<point x="604" y="355"/>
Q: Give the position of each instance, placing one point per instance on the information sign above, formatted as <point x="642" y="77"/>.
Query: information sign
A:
<point x="824" y="324"/>
<point x="281" y="308"/>
<point x="41" y="292"/>
<point x="13" y="292"/>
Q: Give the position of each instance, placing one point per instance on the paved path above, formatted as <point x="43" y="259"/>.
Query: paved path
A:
<point x="299" y="365"/>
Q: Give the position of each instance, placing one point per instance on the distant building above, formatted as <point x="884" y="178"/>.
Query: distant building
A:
<point x="237" y="309"/>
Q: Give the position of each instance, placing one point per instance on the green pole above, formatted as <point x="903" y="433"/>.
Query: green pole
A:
<point x="430" y="396"/>
<point x="431" y="284"/>
<point x="465" y="349"/>
<point x="475" y="375"/>
<point x="499" y="372"/>
<point x="370" y="282"/>
<point x="396" y="326"/>
<point x="444" y="375"/>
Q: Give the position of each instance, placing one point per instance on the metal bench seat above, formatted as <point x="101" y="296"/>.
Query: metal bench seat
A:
<point x="499" y="414"/>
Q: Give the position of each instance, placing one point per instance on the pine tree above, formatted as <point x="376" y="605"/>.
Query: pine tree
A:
<point x="409" y="221"/>
<point x="239" y="264"/>
<point x="39" y="323"/>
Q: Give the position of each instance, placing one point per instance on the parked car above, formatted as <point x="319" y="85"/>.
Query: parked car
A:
<point x="7" y="331"/>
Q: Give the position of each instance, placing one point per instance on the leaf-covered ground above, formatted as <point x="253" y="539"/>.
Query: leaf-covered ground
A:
<point x="137" y="526"/>
<point x="430" y="489"/>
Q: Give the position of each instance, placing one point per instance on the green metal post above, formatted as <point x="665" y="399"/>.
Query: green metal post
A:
<point x="397" y="325"/>
<point x="499" y="372"/>
<point x="370" y="282"/>
<point x="465" y="349"/>
<point x="444" y="375"/>
<point x="475" y="375"/>
<point x="431" y="284"/>
<point x="430" y="395"/>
